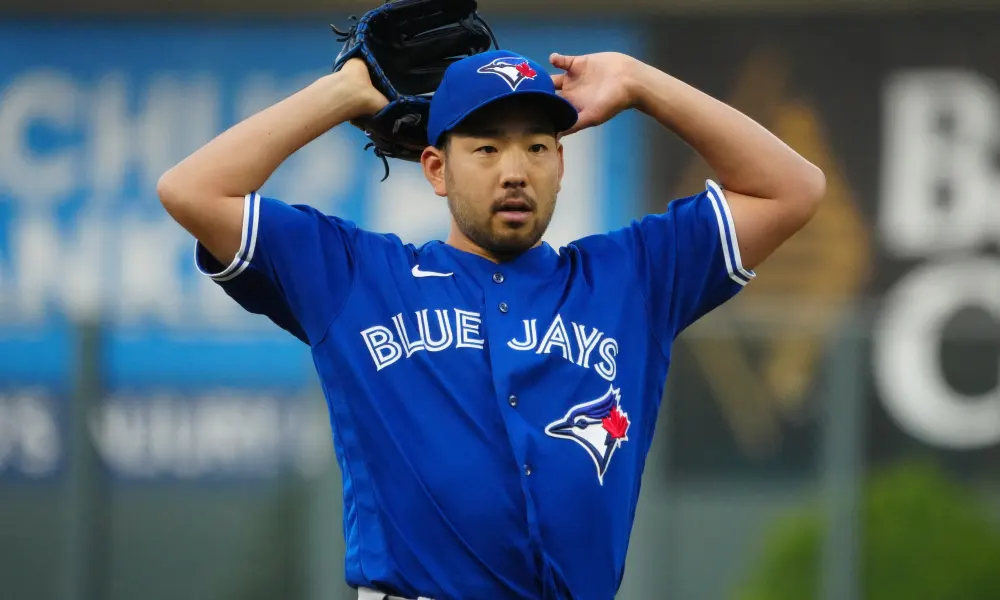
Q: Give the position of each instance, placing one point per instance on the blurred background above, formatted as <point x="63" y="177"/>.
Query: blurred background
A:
<point x="833" y="433"/>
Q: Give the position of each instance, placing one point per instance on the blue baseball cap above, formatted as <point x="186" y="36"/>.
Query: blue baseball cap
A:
<point x="481" y="79"/>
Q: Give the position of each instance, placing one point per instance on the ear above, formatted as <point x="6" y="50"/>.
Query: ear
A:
<point x="432" y="161"/>
<point x="562" y="165"/>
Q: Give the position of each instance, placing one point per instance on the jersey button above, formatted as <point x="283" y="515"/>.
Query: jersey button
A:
<point x="498" y="277"/>
<point x="503" y="307"/>
<point x="512" y="400"/>
<point x="527" y="470"/>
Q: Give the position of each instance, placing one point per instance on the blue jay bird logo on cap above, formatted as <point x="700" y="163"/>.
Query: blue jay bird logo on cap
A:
<point x="599" y="427"/>
<point x="511" y="70"/>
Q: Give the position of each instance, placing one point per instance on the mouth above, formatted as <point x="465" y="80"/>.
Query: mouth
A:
<point x="514" y="210"/>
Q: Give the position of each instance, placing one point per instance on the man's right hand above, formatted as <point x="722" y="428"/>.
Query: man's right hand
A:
<point x="366" y="99"/>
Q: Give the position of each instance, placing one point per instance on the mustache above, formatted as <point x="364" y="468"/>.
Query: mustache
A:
<point x="514" y="200"/>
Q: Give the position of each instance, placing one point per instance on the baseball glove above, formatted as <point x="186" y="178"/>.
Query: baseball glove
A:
<point x="407" y="45"/>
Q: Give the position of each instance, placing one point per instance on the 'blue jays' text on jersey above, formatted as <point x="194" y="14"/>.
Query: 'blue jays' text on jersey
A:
<point x="491" y="421"/>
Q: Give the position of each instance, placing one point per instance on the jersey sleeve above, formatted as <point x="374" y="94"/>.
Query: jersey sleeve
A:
<point x="687" y="260"/>
<point x="295" y="265"/>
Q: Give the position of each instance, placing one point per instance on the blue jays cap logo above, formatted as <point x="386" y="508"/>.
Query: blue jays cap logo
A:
<point x="599" y="426"/>
<point x="513" y="70"/>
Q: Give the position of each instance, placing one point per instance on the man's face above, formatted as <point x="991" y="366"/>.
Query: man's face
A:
<point x="501" y="172"/>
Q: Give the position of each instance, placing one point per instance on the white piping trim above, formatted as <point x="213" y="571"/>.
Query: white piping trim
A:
<point x="252" y="204"/>
<point x="737" y="259"/>
<point x="727" y="234"/>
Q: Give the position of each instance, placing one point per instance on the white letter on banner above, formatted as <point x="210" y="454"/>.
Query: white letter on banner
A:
<point x="906" y="361"/>
<point x="939" y="176"/>
<point x="35" y="176"/>
<point x="176" y="117"/>
<point x="150" y="280"/>
<point x="53" y="265"/>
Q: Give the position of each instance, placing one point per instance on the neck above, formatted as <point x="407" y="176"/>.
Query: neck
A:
<point x="457" y="239"/>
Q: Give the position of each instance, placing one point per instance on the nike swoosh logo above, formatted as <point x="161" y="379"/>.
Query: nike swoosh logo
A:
<point x="418" y="273"/>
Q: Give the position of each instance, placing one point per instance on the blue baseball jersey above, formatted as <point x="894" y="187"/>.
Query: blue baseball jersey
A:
<point x="491" y="421"/>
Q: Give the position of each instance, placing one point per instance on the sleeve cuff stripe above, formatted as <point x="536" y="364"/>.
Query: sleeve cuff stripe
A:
<point x="248" y="242"/>
<point x="253" y="228"/>
<point x="727" y="235"/>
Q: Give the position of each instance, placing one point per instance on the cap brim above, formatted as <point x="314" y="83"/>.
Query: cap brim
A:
<point x="564" y="114"/>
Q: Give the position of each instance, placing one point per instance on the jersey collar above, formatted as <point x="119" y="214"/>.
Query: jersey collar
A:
<point x="542" y="260"/>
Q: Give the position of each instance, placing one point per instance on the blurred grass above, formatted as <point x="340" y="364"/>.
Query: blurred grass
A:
<point x="925" y="537"/>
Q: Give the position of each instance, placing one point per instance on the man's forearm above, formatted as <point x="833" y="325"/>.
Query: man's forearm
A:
<point x="747" y="158"/>
<point x="243" y="157"/>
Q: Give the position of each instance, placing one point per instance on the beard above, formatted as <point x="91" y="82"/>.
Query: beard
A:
<point x="495" y="237"/>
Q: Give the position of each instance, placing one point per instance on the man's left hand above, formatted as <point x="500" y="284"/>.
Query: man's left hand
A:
<point x="598" y="85"/>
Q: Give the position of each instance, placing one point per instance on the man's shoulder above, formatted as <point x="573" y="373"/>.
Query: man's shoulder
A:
<point x="373" y="238"/>
<point x="606" y="243"/>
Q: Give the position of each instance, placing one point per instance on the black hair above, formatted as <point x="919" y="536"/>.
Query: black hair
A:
<point x="442" y="142"/>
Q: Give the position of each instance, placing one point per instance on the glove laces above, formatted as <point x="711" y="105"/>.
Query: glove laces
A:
<point x="378" y="152"/>
<point x="343" y="36"/>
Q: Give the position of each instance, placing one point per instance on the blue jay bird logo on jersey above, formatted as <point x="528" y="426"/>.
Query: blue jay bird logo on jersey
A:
<point x="599" y="427"/>
<point x="511" y="70"/>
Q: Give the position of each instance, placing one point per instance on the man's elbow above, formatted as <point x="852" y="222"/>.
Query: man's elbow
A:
<point x="176" y="193"/>
<point x="814" y="186"/>
<point x="807" y="190"/>
<point x="168" y="189"/>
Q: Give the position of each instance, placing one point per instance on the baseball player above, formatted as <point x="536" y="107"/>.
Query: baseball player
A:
<point x="492" y="398"/>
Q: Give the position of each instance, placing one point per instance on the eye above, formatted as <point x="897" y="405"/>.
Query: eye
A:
<point x="536" y="148"/>
<point x="486" y="149"/>
<point x="581" y="423"/>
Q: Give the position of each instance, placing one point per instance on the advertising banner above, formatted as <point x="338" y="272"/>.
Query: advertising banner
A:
<point x="91" y="114"/>
<point x="903" y="115"/>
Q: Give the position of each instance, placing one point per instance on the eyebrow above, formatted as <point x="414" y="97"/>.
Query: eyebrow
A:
<point x="493" y="132"/>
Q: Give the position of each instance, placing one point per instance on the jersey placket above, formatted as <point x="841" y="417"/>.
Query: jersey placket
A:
<point x="502" y="314"/>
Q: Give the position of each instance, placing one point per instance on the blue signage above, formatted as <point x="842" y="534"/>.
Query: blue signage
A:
<point x="92" y="114"/>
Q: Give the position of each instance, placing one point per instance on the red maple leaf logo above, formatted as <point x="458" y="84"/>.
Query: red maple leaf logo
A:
<point x="616" y="423"/>
<point x="526" y="70"/>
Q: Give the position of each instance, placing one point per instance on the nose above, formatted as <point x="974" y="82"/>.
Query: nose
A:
<point x="513" y="173"/>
